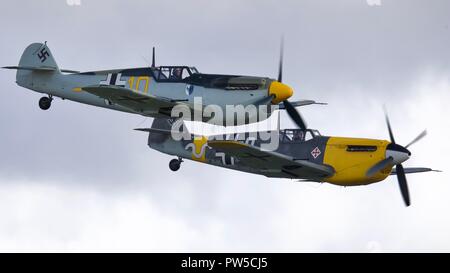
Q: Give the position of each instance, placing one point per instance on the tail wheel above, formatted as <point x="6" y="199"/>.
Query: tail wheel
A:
<point x="174" y="165"/>
<point x="45" y="103"/>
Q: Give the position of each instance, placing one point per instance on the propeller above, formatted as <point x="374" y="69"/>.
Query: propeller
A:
<point x="290" y="109"/>
<point x="400" y="172"/>
<point x="399" y="154"/>
<point x="395" y="155"/>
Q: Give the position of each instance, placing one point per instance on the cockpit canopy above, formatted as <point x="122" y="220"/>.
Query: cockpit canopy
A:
<point x="172" y="73"/>
<point x="298" y="135"/>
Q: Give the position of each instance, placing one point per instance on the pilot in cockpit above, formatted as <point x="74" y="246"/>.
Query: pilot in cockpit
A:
<point x="298" y="135"/>
<point x="176" y="74"/>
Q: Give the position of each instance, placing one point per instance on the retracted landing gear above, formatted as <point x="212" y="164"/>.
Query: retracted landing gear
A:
<point x="175" y="164"/>
<point x="45" y="102"/>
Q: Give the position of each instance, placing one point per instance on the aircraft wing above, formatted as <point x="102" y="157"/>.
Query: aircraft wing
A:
<point x="414" y="170"/>
<point x="272" y="163"/>
<point x="131" y="99"/>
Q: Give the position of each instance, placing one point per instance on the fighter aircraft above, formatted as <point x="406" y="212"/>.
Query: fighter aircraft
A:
<point x="302" y="154"/>
<point x="149" y="91"/>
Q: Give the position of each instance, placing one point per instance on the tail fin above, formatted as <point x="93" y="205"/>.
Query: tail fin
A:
<point x="36" y="57"/>
<point x="159" y="132"/>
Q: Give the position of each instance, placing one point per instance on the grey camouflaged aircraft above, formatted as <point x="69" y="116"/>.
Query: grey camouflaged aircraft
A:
<point x="149" y="91"/>
<point x="302" y="154"/>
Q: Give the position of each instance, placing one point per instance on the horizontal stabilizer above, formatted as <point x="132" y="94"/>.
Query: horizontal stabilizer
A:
<point x="41" y="69"/>
<point x="161" y="131"/>
<point x="154" y="130"/>
<point x="70" y="71"/>
<point x="32" y="68"/>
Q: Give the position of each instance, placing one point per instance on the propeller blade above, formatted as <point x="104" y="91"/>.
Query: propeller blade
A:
<point x="290" y="109"/>
<point x="379" y="166"/>
<point x="294" y="114"/>
<point x="403" y="184"/>
<point x="391" y="135"/>
<point x="280" y="64"/>
<point x="419" y="137"/>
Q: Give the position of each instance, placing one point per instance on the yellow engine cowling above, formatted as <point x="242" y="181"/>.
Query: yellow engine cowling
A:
<point x="351" y="160"/>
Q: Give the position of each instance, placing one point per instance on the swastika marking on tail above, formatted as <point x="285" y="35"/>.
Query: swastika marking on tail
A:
<point x="43" y="54"/>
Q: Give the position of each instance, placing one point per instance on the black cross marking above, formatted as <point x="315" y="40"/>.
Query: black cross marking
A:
<point x="113" y="79"/>
<point x="43" y="54"/>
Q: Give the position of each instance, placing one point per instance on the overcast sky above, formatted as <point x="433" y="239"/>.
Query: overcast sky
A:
<point x="78" y="178"/>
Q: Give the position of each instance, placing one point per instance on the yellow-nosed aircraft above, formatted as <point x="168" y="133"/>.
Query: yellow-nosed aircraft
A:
<point x="302" y="154"/>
